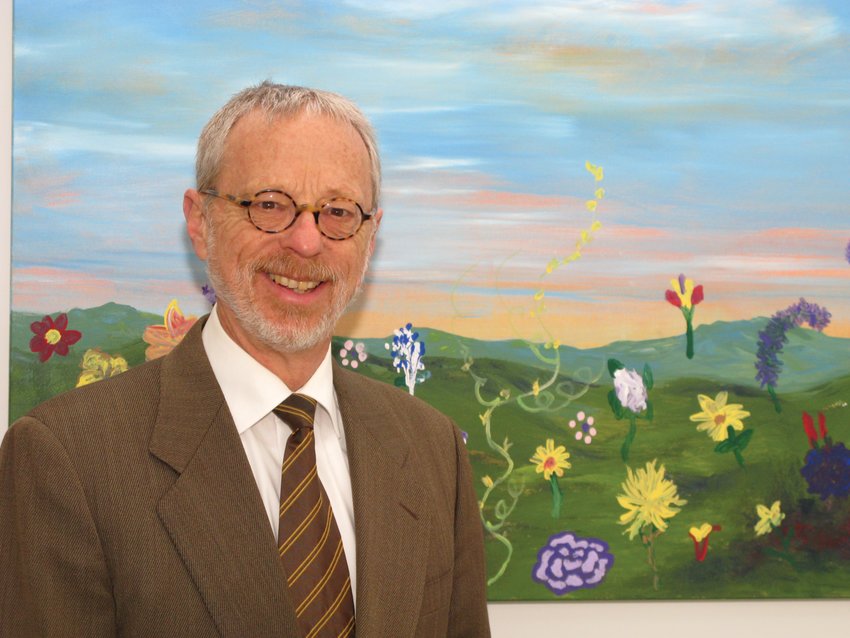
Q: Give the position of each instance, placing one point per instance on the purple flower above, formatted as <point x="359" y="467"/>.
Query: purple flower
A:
<point x="827" y="471"/>
<point x="847" y="252"/>
<point x="773" y="338"/>
<point x="209" y="293"/>
<point x="568" y="562"/>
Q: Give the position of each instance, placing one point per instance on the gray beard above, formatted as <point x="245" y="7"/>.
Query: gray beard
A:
<point x="297" y="333"/>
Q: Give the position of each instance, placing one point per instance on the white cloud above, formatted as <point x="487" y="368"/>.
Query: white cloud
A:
<point x="33" y="138"/>
<point x="416" y="9"/>
<point x="691" y="23"/>
<point x="432" y="163"/>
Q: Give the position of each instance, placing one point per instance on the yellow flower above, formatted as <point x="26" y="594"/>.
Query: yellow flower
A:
<point x="716" y="415"/>
<point x="488" y="482"/>
<point x="699" y="533"/>
<point x="535" y="387"/>
<point x="649" y="499"/>
<point x="551" y="459"/>
<point x="768" y="518"/>
<point x="98" y="365"/>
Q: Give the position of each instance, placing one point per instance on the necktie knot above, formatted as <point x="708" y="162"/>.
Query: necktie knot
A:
<point x="298" y="411"/>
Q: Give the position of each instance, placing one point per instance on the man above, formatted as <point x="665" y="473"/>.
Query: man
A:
<point x="154" y="504"/>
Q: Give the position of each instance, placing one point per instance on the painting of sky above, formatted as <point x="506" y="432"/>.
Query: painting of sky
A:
<point x="723" y="128"/>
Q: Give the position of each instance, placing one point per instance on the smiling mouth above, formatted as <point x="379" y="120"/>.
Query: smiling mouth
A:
<point x="293" y="284"/>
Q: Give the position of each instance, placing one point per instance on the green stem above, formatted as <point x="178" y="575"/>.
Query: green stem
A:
<point x="650" y="559"/>
<point x="510" y="549"/>
<point x="557" y="496"/>
<point x="630" y="437"/>
<point x="776" y="405"/>
<point x="690" y="337"/>
<point x="739" y="457"/>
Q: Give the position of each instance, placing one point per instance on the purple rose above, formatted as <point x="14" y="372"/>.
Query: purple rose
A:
<point x="568" y="562"/>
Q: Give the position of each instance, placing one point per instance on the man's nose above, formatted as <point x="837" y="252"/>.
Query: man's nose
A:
<point x="304" y="236"/>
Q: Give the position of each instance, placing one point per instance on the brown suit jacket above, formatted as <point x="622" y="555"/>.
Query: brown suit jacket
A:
<point x="128" y="508"/>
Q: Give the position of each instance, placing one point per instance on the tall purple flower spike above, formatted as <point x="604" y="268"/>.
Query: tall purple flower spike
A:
<point x="774" y="336"/>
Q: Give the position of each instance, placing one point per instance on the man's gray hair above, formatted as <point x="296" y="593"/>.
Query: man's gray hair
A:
<point x="281" y="100"/>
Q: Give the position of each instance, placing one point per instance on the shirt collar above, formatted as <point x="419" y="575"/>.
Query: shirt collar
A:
<point x="252" y="390"/>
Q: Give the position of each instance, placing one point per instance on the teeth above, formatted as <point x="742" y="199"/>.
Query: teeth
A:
<point x="292" y="284"/>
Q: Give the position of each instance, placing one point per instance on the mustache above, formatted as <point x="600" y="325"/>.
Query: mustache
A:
<point x="296" y="268"/>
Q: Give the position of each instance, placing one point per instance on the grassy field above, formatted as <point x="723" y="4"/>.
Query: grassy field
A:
<point x="807" y="556"/>
<point x="782" y="564"/>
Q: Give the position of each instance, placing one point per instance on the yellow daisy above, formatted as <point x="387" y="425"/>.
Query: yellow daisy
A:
<point x="716" y="416"/>
<point x="551" y="459"/>
<point x="649" y="499"/>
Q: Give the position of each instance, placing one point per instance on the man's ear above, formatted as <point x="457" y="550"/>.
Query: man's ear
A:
<point x="376" y="222"/>
<point x="196" y="223"/>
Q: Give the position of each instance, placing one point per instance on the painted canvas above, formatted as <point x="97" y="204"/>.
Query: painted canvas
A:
<point x="615" y="249"/>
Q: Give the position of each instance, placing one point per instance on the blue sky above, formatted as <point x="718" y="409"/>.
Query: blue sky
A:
<point x="722" y="127"/>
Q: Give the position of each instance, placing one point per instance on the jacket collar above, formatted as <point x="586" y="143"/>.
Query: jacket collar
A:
<point x="390" y="510"/>
<point x="213" y="511"/>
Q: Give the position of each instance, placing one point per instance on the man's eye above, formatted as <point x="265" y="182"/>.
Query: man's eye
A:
<point x="334" y="211"/>
<point x="268" y="205"/>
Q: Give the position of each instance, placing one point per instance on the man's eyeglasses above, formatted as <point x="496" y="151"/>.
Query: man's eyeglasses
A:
<point x="273" y="211"/>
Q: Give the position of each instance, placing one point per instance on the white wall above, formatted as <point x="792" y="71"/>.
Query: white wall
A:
<point x="509" y="620"/>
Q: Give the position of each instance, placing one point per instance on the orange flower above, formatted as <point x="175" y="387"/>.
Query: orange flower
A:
<point x="162" y="339"/>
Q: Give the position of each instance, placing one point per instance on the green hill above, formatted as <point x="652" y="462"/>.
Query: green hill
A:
<point x="807" y="556"/>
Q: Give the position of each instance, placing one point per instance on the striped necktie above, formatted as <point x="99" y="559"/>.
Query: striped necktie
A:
<point x="308" y="541"/>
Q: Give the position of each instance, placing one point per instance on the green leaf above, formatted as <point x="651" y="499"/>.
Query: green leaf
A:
<point x="399" y="382"/>
<point x="650" y="411"/>
<point x="744" y="439"/>
<point x="725" y="446"/>
<point x="613" y="366"/>
<point x="615" y="404"/>
<point x="647" y="377"/>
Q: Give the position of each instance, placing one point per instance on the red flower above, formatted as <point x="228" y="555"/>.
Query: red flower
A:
<point x="809" y="427"/>
<point x="52" y="336"/>
<point x="684" y="294"/>
<point x="673" y="298"/>
<point x="699" y="535"/>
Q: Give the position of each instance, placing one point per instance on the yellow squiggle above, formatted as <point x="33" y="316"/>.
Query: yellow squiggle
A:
<point x="585" y="237"/>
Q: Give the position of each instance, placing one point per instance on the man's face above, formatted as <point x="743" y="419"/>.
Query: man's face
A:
<point x="285" y="290"/>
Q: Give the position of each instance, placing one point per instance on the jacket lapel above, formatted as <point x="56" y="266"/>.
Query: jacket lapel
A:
<point x="213" y="511"/>
<point x="390" y="514"/>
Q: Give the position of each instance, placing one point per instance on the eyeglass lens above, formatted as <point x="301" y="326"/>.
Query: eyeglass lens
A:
<point x="274" y="211"/>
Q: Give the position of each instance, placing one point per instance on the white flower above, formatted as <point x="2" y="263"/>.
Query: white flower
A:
<point x="631" y="391"/>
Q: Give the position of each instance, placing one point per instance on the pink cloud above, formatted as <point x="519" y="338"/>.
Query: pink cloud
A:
<point x="45" y="289"/>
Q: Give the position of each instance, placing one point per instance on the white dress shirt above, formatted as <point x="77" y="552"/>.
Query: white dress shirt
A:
<point x="251" y="392"/>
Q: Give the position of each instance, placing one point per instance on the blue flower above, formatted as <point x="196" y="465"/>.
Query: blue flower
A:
<point x="407" y="353"/>
<point x="827" y="471"/>
<point x="568" y="562"/>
